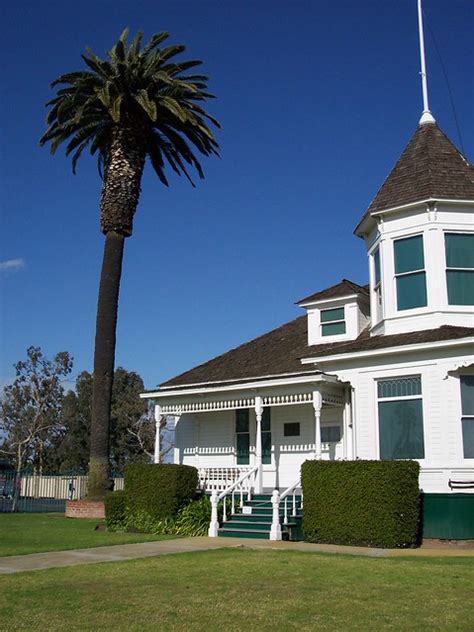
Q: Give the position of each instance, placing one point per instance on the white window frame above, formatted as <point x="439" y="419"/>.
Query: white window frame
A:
<point x="450" y="269"/>
<point x="386" y="378"/>
<point x="411" y="272"/>
<point x="332" y="322"/>
<point x="463" y="416"/>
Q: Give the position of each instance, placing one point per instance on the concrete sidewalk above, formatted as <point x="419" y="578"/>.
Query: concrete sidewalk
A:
<point x="122" y="552"/>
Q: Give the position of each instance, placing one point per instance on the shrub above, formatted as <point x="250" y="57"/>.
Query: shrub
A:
<point x="368" y="503"/>
<point x="157" y="492"/>
<point x="115" y="518"/>
<point x="194" y="519"/>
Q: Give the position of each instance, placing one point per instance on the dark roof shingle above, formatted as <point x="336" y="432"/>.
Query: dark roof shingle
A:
<point x="429" y="167"/>
<point x="344" y="288"/>
<point x="280" y="352"/>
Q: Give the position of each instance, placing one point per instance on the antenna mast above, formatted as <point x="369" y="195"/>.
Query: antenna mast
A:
<point x="426" y="116"/>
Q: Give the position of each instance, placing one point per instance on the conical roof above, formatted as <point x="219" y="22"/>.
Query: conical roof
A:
<point x="429" y="167"/>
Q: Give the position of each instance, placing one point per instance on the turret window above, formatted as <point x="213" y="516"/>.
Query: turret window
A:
<point x="333" y="322"/>
<point x="410" y="273"/>
<point x="460" y="268"/>
<point x="377" y="286"/>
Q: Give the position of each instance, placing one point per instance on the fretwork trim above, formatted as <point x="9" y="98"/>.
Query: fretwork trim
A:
<point x="329" y="399"/>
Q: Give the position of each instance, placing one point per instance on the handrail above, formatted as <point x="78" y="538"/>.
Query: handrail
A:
<point x="215" y="498"/>
<point x="275" y="533"/>
<point x="239" y="481"/>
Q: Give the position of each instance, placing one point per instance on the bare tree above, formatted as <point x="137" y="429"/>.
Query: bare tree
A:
<point x="143" y="431"/>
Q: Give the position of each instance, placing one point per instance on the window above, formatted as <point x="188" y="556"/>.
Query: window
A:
<point x="330" y="434"/>
<point x="242" y="436"/>
<point x="460" y="268"/>
<point x="377" y="285"/>
<point x="332" y="322"/>
<point x="266" y="437"/>
<point x="467" y="407"/>
<point x="401" y="418"/>
<point x="291" y="430"/>
<point x="410" y="272"/>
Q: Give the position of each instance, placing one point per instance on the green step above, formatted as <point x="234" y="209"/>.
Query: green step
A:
<point x="238" y="533"/>
<point x="251" y="518"/>
<point x="246" y="526"/>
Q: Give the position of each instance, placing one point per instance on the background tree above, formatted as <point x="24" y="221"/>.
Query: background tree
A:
<point x="138" y="103"/>
<point x="30" y="408"/>
<point x="132" y="426"/>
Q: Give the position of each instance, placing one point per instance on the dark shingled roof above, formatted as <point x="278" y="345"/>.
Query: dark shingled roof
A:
<point x="429" y="167"/>
<point x="366" y="343"/>
<point x="280" y="351"/>
<point x="344" y="288"/>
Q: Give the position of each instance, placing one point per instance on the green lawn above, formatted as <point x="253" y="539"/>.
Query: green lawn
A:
<point x="34" y="533"/>
<point x="235" y="589"/>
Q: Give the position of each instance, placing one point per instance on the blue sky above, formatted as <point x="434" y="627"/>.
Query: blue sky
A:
<point x="317" y="100"/>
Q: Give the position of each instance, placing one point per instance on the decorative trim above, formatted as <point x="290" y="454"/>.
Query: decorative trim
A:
<point x="289" y="399"/>
<point x="465" y="363"/>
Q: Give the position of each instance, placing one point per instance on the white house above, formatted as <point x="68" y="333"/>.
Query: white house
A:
<point x="381" y="371"/>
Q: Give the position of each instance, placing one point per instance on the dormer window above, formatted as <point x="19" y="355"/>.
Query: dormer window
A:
<point x="410" y="273"/>
<point x="333" y="322"/>
<point x="460" y="268"/>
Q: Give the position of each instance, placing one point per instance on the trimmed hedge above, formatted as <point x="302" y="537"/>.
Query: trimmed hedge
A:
<point x="158" y="491"/>
<point x="115" y="517"/>
<point x="365" y="503"/>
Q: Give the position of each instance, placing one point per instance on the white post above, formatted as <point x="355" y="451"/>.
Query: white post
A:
<point x="214" y="525"/>
<point x="258" y="444"/>
<point x="346" y="442"/>
<point x="158" y="418"/>
<point x="317" y="405"/>
<point x="426" y="116"/>
<point x="275" y="531"/>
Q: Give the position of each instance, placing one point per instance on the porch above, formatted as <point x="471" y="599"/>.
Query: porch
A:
<point x="275" y="432"/>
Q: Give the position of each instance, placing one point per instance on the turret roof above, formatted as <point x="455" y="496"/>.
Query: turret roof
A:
<point x="429" y="167"/>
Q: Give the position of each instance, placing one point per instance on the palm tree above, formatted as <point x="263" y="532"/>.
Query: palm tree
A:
<point x="138" y="103"/>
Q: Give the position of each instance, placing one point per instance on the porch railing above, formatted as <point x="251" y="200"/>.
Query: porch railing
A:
<point x="219" y="478"/>
<point x="288" y="495"/>
<point x="242" y="486"/>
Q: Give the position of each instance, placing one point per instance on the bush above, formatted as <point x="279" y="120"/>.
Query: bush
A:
<point x="157" y="492"/>
<point x="365" y="503"/>
<point x="115" y="517"/>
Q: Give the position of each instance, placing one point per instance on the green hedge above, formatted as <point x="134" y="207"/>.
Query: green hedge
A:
<point x="365" y="503"/>
<point x="115" y="517"/>
<point x="159" y="491"/>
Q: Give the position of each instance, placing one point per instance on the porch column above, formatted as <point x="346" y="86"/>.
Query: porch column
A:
<point x="317" y="405"/>
<point x="347" y="426"/>
<point x="258" y="444"/>
<point x="158" y="418"/>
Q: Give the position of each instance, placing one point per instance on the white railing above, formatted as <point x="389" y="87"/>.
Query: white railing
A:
<point x="277" y="498"/>
<point x="219" y="478"/>
<point x="241" y="486"/>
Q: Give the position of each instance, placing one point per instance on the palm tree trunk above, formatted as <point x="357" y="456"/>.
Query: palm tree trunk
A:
<point x="104" y="360"/>
<point x="119" y="200"/>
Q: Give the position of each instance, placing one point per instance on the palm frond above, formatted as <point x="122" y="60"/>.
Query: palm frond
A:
<point x="144" y="89"/>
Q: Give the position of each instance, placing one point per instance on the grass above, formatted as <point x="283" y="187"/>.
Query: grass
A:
<point x="23" y="533"/>
<point x="235" y="589"/>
